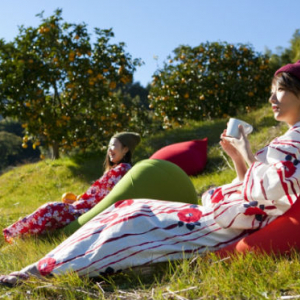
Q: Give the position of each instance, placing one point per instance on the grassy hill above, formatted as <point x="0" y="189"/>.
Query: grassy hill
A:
<point x="26" y="187"/>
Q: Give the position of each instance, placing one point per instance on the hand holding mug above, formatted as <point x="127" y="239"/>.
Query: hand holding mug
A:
<point x="233" y="128"/>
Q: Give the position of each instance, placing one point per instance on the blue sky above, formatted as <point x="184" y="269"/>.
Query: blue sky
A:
<point x="152" y="29"/>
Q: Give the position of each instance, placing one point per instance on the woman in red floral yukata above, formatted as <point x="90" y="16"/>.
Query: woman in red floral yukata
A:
<point x="56" y="215"/>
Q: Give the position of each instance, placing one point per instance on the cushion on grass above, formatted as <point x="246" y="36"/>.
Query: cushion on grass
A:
<point x="150" y="178"/>
<point x="279" y="237"/>
<point x="190" y="156"/>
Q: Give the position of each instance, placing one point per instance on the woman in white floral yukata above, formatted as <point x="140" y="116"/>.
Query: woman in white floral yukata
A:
<point x="139" y="232"/>
<point x="56" y="215"/>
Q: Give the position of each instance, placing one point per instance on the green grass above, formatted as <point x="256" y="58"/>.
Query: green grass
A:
<point x="24" y="188"/>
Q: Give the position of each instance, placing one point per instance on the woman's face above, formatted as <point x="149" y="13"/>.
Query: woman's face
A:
<point x="116" y="151"/>
<point x="285" y="105"/>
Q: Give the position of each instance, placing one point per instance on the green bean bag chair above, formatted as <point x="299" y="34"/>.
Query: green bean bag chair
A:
<point x="150" y="178"/>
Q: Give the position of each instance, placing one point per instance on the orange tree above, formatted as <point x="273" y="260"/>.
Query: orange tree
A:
<point x="62" y="87"/>
<point x="208" y="81"/>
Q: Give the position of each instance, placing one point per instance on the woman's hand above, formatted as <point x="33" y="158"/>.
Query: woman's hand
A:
<point x="239" y="151"/>
<point x="229" y="148"/>
<point x="237" y="148"/>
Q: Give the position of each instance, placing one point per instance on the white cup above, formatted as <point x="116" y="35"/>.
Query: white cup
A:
<point x="233" y="130"/>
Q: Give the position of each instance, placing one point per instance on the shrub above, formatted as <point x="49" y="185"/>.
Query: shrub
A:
<point x="208" y="81"/>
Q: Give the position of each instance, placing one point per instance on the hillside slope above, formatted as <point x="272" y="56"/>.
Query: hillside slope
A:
<point x="26" y="187"/>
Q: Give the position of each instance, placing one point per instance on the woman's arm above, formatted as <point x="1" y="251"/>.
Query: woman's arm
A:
<point x="101" y="187"/>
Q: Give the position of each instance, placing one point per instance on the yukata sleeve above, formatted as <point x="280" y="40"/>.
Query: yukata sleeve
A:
<point x="101" y="187"/>
<point x="276" y="184"/>
<point x="268" y="191"/>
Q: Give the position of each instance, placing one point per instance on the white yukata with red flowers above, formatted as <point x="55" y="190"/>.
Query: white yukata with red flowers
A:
<point x="141" y="232"/>
<point x="54" y="215"/>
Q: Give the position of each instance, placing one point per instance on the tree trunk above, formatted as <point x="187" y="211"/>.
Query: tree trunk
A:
<point x="55" y="151"/>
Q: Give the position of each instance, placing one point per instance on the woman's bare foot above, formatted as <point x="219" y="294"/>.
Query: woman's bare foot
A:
<point x="13" y="278"/>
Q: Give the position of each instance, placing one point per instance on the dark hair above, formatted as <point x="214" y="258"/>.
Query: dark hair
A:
<point x="288" y="82"/>
<point x="126" y="159"/>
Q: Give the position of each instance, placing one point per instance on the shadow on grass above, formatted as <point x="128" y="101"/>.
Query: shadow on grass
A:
<point x="139" y="279"/>
<point x="88" y="167"/>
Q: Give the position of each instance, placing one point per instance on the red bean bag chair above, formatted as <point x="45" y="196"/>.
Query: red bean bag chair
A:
<point x="190" y="156"/>
<point x="279" y="237"/>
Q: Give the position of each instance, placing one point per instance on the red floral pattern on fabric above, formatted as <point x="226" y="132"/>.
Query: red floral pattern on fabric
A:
<point x="110" y="218"/>
<point x="289" y="168"/>
<point x="55" y="215"/>
<point x="189" y="215"/>
<point x="254" y="211"/>
<point x="46" y="265"/>
<point x="217" y="196"/>
<point x="123" y="203"/>
<point x="101" y="187"/>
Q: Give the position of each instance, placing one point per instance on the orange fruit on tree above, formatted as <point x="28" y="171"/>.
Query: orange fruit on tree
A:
<point x="100" y="76"/>
<point x="113" y="85"/>
<point x="121" y="70"/>
<point x="68" y="198"/>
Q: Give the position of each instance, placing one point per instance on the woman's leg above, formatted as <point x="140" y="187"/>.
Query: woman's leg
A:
<point x="150" y="178"/>
<point x="49" y="216"/>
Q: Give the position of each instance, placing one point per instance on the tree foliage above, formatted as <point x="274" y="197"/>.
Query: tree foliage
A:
<point x="62" y="87"/>
<point x="285" y="56"/>
<point x="295" y="46"/>
<point x="208" y="81"/>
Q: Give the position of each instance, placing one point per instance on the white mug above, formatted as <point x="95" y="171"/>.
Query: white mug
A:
<point x="233" y="130"/>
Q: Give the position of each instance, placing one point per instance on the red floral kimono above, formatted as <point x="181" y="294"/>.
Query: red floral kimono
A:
<point x="56" y="215"/>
